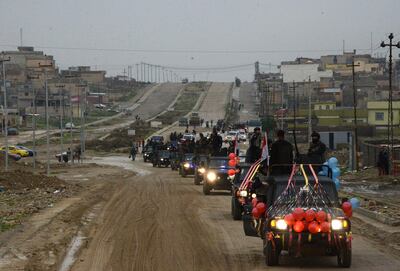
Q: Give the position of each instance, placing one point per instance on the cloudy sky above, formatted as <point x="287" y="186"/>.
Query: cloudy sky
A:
<point x="204" y="34"/>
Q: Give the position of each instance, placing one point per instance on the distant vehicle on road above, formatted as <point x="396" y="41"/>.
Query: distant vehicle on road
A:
<point x="157" y="139"/>
<point x="185" y="81"/>
<point x="251" y="124"/>
<point x="231" y="136"/>
<point x="242" y="135"/>
<point x="100" y="106"/>
<point x="183" y="122"/>
<point x="69" y="125"/>
<point x="188" y="137"/>
<point x="194" y="119"/>
<point x="12" y="131"/>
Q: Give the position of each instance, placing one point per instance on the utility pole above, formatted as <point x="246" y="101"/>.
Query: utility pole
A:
<point x="34" y="115"/>
<point x="309" y="108"/>
<point x="137" y="72"/>
<point x="82" y="122"/>
<point x="353" y="65"/>
<point x="5" y="110"/>
<point x="61" y="97"/>
<point x="390" y="105"/>
<point x="47" y="116"/>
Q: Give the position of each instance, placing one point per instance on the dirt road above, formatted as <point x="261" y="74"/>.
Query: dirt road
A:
<point x="163" y="222"/>
<point x="247" y="97"/>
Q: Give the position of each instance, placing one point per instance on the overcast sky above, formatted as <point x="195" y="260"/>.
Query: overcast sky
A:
<point x="249" y="30"/>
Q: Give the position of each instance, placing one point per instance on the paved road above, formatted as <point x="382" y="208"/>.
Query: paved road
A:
<point x="215" y="102"/>
<point x="248" y="97"/>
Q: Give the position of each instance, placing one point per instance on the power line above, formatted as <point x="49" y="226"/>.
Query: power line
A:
<point x="185" y="51"/>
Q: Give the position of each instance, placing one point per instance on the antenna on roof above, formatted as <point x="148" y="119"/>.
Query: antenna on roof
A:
<point x="20" y="36"/>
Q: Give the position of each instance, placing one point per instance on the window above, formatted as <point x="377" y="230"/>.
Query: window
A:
<point x="379" y="116"/>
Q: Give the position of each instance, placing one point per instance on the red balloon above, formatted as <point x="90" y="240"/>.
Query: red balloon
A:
<point x="346" y="206"/>
<point x="320" y="216"/>
<point x="261" y="207"/>
<point x="232" y="156"/>
<point x="298" y="226"/>
<point x="289" y="219"/>
<point x="231" y="172"/>
<point x="349" y="213"/>
<point x="325" y="226"/>
<point x="232" y="163"/>
<point x="256" y="213"/>
<point x="310" y="215"/>
<point x="298" y="214"/>
<point x="254" y="202"/>
<point x="313" y="227"/>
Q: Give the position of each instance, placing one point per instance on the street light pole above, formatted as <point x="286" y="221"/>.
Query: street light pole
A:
<point x="5" y="112"/>
<point x="47" y="117"/>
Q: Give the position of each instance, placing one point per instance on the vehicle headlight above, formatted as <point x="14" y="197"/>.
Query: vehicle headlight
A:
<point x="186" y="165"/>
<point x="211" y="176"/>
<point x="253" y="195"/>
<point x="337" y="224"/>
<point x="162" y="159"/>
<point x="243" y="193"/>
<point x="202" y="170"/>
<point x="281" y="224"/>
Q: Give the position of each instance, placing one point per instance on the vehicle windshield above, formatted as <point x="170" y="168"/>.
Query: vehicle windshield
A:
<point x="254" y="123"/>
<point x="232" y="133"/>
<point x="188" y="157"/>
<point x="164" y="154"/>
<point x="218" y="163"/>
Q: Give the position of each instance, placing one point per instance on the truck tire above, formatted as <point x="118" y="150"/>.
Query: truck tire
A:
<point x="196" y="179"/>
<point x="271" y="254"/>
<point x="236" y="209"/>
<point x="344" y="255"/>
<point x="206" y="188"/>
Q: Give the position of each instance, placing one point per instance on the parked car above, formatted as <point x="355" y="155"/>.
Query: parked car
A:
<point x="31" y="152"/>
<point x="69" y="125"/>
<point x="12" y="156"/>
<point x="12" y="131"/>
<point x="15" y="150"/>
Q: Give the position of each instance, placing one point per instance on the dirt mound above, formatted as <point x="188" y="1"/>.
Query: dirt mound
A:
<point x="21" y="180"/>
<point x="24" y="193"/>
<point x="120" y="139"/>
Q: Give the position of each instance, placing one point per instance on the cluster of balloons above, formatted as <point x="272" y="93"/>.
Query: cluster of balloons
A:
<point x="259" y="208"/>
<point x="232" y="163"/>
<point x="311" y="220"/>
<point x="332" y="164"/>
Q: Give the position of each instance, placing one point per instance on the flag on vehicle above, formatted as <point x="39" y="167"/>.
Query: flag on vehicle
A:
<point x="250" y="175"/>
<point x="265" y="149"/>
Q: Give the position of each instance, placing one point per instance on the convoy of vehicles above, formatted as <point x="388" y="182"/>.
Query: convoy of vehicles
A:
<point x="304" y="215"/>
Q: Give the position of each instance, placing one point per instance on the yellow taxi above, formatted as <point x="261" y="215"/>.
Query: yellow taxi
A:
<point x="15" y="150"/>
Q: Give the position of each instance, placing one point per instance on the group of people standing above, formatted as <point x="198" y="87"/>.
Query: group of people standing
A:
<point x="282" y="151"/>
